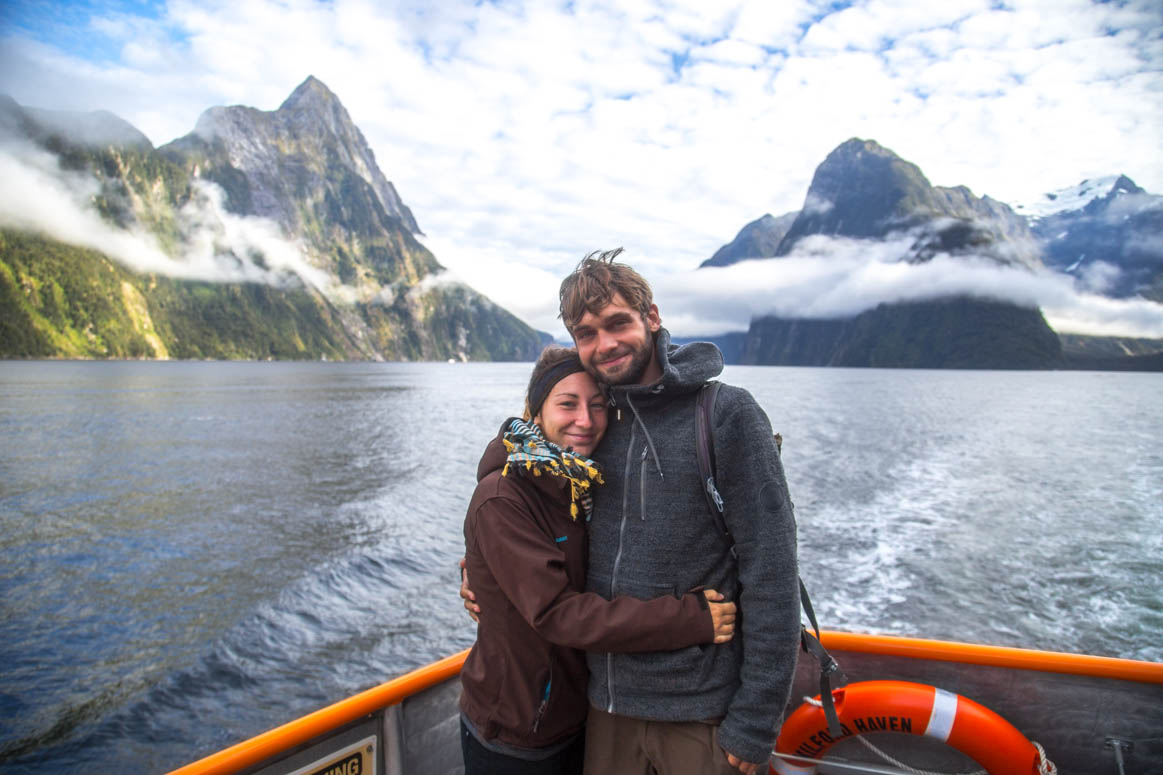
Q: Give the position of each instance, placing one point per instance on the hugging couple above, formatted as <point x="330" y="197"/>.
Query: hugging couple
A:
<point x="619" y="630"/>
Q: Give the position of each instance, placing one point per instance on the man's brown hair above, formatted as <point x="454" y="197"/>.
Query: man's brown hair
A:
<point x="592" y="286"/>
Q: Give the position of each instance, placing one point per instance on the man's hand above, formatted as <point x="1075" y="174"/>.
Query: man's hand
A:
<point x="722" y="615"/>
<point x="747" y="768"/>
<point x="466" y="594"/>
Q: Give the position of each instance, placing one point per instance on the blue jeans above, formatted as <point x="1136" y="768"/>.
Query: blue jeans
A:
<point x="479" y="760"/>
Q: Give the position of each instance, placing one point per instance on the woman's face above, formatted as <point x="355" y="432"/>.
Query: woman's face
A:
<point x="574" y="414"/>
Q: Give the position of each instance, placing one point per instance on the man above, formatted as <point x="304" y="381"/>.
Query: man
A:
<point x="700" y="709"/>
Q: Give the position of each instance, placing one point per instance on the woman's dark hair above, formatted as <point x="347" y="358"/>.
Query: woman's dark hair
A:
<point x="553" y="365"/>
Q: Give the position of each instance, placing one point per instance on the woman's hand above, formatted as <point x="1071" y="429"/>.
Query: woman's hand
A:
<point x="466" y="594"/>
<point x="722" y="615"/>
<point x="747" y="768"/>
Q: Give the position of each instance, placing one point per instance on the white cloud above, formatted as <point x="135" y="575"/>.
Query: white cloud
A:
<point x="1098" y="277"/>
<point x="829" y="278"/>
<point x="38" y="196"/>
<point x="218" y="246"/>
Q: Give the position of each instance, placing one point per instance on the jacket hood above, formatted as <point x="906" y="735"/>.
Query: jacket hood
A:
<point x="495" y="453"/>
<point x="684" y="367"/>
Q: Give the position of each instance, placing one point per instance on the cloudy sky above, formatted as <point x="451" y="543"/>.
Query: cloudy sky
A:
<point x="523" y="135"/>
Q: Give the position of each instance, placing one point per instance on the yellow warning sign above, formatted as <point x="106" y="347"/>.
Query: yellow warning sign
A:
<point x="356" y="759"/>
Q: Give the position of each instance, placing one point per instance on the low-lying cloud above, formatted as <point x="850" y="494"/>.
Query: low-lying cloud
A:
<point x="216" y="245"/>
<point x="824" y="278"/>
<point x="839" y="278"/>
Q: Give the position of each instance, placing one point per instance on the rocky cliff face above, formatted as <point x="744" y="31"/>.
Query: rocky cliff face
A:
<point x="344" y="277"/>
<point x="289" y="155"/>
<point x="307" y="167"/>
<point x="958" y="333"/>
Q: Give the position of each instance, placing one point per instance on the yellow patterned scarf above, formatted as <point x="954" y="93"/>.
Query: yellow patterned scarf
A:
<point x="531" y="454"/>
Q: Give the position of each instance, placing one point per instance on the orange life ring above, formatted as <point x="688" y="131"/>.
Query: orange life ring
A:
<point x="898" y="706"/>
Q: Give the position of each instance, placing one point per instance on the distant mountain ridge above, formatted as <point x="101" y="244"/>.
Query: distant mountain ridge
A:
<point x="93" y="129"/>
<point x="368" y="288"/>
<point x="1107" y="232"/>
<point x="348" y="279"/>
<point x="864" y="191"/>
<point x="759" y="239"/>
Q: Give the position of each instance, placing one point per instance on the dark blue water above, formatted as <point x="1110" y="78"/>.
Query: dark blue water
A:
<point x="193" y="553"/>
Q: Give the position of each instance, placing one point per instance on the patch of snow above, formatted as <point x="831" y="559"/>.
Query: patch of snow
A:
<point x="1068" y="199"/>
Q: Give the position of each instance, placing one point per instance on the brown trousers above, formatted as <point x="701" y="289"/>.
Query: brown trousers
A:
<point x="620" y="745"/>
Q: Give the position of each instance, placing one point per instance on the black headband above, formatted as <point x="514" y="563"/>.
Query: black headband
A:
<point x="539" y="390"/>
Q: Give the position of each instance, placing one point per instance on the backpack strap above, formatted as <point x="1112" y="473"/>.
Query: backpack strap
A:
<point x="829" y="668"/>
<point x="705" y="451"/>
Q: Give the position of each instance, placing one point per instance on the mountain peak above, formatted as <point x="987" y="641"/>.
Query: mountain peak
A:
<point x="310" y="93"/>
<point x="313" y="131"/>
<point x="855" y="146"/>
<point x="863" y="190"/>
<point x="857" y="191"/>
<point x="313" y="107"/>
<point x="1125" y="184"/>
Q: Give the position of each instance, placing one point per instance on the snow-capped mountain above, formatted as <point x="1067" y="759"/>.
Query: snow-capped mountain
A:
<point x="1077" y="197"/>
<point x="1105" y="232"/>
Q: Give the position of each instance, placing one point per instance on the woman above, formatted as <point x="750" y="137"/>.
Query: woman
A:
<point x="523" y="700"/>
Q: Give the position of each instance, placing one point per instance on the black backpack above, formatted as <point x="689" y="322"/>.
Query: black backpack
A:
<point x="809" y="642"/>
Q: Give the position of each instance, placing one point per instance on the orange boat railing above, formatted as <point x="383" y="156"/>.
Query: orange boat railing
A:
<point x="294" y="733"/>
<point x="301" y="730"/>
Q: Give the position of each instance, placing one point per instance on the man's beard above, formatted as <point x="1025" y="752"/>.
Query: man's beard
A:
<point x="631" y="373"/>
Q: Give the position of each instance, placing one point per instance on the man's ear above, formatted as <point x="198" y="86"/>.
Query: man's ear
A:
<point x="653" y="320"/>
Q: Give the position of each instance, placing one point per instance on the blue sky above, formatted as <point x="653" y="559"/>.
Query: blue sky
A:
<point x="66" y="25"/>
<point x="523" y="135"/>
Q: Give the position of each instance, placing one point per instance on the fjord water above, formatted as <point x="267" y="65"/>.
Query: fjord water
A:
<point x="196" y="552"/>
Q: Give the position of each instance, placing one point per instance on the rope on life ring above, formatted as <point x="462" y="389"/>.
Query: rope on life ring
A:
<point x="911" y="708"/>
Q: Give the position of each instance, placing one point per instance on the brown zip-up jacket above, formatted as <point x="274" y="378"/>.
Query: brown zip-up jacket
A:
<point x="524" y="682"/>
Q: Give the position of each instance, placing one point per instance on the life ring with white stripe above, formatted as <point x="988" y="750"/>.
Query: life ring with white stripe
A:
<point x="899" y="706"/>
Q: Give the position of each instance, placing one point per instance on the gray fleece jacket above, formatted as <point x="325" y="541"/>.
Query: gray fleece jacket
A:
<point x="651" y="533"/>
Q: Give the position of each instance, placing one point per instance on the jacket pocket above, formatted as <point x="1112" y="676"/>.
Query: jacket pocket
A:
<point x="662" y="672"/>
<point x="542" y="701"/>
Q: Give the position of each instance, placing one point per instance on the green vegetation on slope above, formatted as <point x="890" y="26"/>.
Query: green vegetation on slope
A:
<point x="61" y="301"/>
<point x="57" y="300"/>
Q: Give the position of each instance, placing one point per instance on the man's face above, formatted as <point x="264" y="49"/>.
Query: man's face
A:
<point x="616" y="346"/>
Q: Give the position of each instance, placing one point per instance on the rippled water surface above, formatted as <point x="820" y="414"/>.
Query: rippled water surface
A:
<point x="195" y="552"/>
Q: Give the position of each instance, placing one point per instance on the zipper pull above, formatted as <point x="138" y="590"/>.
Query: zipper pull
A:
<point x="544" y="704"/>
<point x="540" y="713"/>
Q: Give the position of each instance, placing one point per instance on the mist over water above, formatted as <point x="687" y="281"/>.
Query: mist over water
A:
<point x="196" y="552"/>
